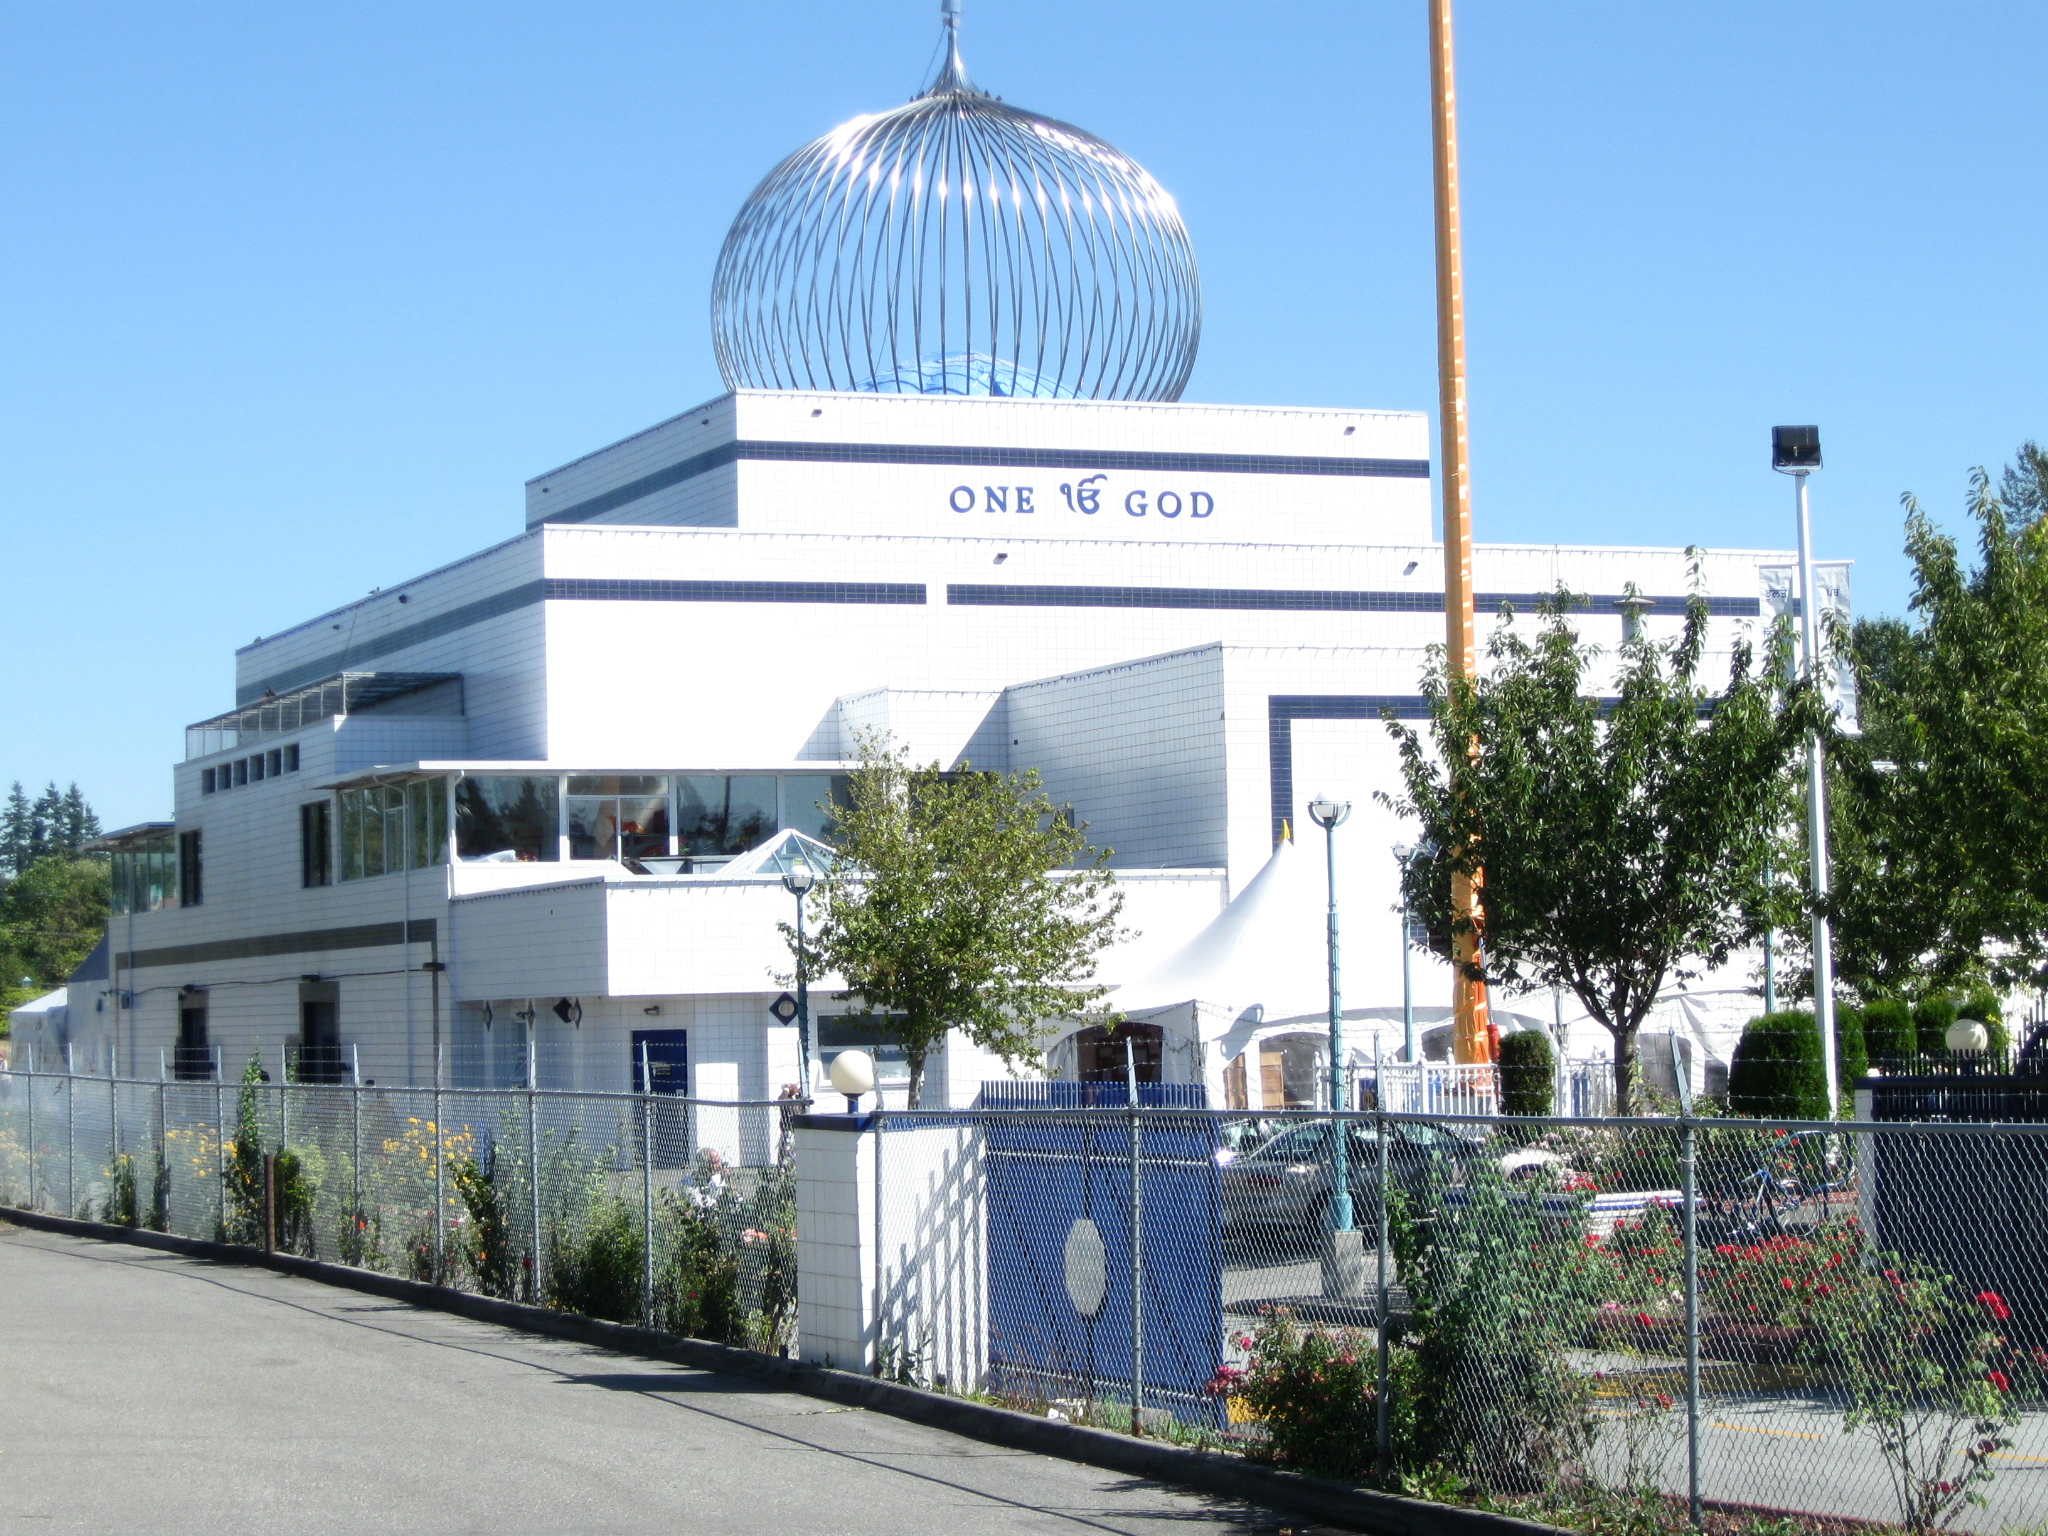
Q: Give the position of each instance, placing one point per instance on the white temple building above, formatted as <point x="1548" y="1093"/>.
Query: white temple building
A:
<point x="533" y="805"/>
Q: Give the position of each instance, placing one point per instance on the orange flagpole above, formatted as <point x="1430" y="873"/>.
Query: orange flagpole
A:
<point x="1472" y="1034"/>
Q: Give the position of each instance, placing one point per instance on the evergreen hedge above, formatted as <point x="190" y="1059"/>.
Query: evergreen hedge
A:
<point x="1852" y="1044"/>
<point x="1528" y="1073"/>
<point x="1889" y="1034"/>
<point x="1777" y="1072"/>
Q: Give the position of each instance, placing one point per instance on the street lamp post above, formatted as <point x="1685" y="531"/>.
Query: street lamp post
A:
<point x="798" y="882"/>
<point x="1795" y="451"/>
<point x="1329" y="815"/>
<point x="1406" y="853"/>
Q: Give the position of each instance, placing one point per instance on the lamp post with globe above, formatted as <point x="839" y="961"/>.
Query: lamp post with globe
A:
<point x="798" y="882"/>
<point x="1329" y="815"/>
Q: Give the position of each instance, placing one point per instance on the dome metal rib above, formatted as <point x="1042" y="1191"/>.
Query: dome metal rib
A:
<point x="959" y="246"/>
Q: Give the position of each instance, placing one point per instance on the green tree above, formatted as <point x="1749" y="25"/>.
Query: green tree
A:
<point x="1940" y="812"/>
<point x="57" y="822"/>
<point x="1623" y="842"/>
<point x="960" y="901"/>
<point x="51" y="917"/>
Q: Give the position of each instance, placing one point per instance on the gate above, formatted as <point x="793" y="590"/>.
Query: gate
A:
<point x="1060" y="1257"/>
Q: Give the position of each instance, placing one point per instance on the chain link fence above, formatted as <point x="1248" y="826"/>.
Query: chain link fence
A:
<point x="678" y="1213"/>
<point x="1644" y="1324"/>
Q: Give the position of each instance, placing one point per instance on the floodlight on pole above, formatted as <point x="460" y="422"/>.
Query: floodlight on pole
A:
<point x="1795" y="451"/>
<point x="798" y="881"/>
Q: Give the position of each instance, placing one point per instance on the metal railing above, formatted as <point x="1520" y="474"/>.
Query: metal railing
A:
<point x="675" y="1212"/>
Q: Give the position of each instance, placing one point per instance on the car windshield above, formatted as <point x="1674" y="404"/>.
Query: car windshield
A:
<point x="1304" y="1143"/>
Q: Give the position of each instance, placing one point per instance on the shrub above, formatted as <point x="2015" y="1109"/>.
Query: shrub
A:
<point x="1528" y="1073"/>
<point x="1888" y="1032"/>
<point x="1852" y="1045"/>
<point x="1777" y="1072"/>
<point x="1932" y="1016"/>
<point x="487" y="1235"/>
<point x="697" y="1282"/>
<point x="597" y="1271"/>
<point x="1499" y="1298"/>
<point x="119" y="1208"/>
<point x="1313" y="1389"/>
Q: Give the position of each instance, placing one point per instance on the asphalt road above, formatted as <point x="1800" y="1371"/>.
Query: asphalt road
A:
<point x="149" y="1392"/>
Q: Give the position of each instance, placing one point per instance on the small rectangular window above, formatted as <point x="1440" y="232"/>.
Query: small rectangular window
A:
<point x="314" y="843"/>
<point x="291" y="758"/>
<point x="256" y="768"/>
<point x="190" y="871"/>
<point x="274" y="764"/>
<point x="241" y="771"/>
<point x="206" y="781"/>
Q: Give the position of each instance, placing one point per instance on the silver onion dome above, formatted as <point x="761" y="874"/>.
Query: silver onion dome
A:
<point x="959" y="246"/>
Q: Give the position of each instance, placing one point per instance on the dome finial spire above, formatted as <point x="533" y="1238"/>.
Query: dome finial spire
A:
<point x="953" y="73"/>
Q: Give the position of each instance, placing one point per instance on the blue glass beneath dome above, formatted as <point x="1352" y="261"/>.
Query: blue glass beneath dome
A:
<point x="968" y="375"/>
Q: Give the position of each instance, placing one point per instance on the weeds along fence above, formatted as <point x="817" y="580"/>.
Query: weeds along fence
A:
<point x="1646" y="1323"/>
<point x="679" y="1213"/>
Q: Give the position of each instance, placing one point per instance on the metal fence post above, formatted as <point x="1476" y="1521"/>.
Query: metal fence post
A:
<point x="533" y="1163"/>
<point x="163" y="1147"/>
<point x="220" y="1142"/>
<point x="440" y="1221"/>
<point x="355" y="1132"/>
<point x="1687" y="1151"/>
<point x="1382" y="1427"/>
<point x="878" y="1234"/>
<point x="1137" y="1248"/>
<point x="32" y="1128"/>
<point x="284" y="1098"/>
<point x="113" y="1120"/>
<point x="646" y="1192"/>
<point x="70" y="1136"/>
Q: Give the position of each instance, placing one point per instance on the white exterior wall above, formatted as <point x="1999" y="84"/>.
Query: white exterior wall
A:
<point x="1142" y="689"/>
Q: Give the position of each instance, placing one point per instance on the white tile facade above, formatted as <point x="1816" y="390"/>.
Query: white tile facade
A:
<point x="750" y="586"/>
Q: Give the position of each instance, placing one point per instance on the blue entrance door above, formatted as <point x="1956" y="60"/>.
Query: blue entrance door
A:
<point x="667" y="1075"/>
<point x="668" y="1061"/>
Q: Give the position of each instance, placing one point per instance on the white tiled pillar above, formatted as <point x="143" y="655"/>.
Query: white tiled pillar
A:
<point x="835" y="1238"/>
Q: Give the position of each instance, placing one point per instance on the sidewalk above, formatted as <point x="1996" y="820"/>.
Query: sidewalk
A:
<point x="152" y="1392"/>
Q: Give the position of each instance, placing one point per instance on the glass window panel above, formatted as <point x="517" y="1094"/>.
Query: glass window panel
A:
<point x="352" y="834"/>
<point x="643" y="826"/>
<point x="614" y="784"/>
<point x="721" y="815"/>
<point x="426" y="817"/>
<point x="802" y="796"/>
<point x="593" y="826"/>
<point x="506" y="816"/>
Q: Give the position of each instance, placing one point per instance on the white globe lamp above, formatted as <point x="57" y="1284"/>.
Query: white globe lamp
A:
<point x="853" y="1074"/>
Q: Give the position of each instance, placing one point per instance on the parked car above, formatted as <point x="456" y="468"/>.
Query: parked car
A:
<point x="1286" y="1182"/>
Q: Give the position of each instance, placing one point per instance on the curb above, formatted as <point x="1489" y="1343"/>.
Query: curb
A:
<point x="1357" y="1509"/>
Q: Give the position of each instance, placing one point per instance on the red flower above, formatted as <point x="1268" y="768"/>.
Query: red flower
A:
<point x="1645" y="1319"/>
<point x="1999" y="1380"/>
<point x="1996" y="1303"/>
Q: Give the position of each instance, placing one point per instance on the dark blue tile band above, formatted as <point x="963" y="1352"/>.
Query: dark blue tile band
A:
<point x="1077" y="459"/>
<point x="1287" y="599"/>
<point x="636" y="591"/>
<point x="571" y="590"/>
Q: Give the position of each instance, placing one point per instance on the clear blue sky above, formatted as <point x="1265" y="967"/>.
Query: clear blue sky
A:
<point x="293" y="298"/>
